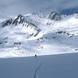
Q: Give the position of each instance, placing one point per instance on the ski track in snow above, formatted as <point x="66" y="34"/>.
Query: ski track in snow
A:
<point x="47" y="42"/>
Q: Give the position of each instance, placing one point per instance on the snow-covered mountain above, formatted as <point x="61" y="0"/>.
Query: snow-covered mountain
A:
<point x="31" y="34"/>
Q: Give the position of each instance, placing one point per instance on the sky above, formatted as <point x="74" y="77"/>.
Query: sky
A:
<point x="15" y="7"/>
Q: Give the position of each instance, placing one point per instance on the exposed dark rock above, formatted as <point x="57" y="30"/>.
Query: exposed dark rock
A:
<point x="7" y="22"/>
<point x="63" y="32"/>
<point x="0" y="42"/>
<point x="22" y="20"/>
<point x="17" y="43"/>
<point x="60" y="32"/>
<point x="38" y="31"/>
<point x="19" y="19"/>
<point x="54" y="16"/>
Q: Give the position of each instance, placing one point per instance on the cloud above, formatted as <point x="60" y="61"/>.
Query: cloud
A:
<point x="14" y="7"/>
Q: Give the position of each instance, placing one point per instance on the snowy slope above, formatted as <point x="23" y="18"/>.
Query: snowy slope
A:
<point x="57" y="66"/>
<point x="32" y="34"/>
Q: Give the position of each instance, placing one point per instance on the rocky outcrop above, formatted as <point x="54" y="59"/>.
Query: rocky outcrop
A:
<point x="20" y="19"/>
<point x="54" y="16"/>
<point x="7" y="22"/>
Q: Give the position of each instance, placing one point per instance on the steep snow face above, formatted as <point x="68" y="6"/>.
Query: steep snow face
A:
<point x="31" y="35"/>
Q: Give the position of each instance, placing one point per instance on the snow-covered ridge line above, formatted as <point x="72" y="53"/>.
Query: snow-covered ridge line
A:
<point x="21" y="20"/>
<point x="31" y="35"/>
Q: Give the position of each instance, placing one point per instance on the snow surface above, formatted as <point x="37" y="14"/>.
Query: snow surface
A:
<point x="17" y="41"/>
<point x="57" y="66"/>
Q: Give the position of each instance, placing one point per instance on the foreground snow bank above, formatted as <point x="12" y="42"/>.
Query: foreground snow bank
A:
<point x="57" y="66"/>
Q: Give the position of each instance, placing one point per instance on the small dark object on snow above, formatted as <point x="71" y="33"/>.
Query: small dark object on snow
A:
<point x="35" y="56"/>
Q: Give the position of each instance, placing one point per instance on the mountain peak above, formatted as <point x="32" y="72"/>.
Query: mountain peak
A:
<point x="19" y="19"/>
<point x="54" y="16"/>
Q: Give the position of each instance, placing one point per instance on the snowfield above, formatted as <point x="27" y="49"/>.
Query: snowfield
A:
<point x="31" y="35"/>
<point x="56" y="66"/>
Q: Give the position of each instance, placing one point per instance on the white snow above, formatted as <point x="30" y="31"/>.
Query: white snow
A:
<point x="57" y="66"/>
<point x="20" y="42"/>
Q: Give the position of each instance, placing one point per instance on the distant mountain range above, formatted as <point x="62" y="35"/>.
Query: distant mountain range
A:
<point x="30" y="34"/>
